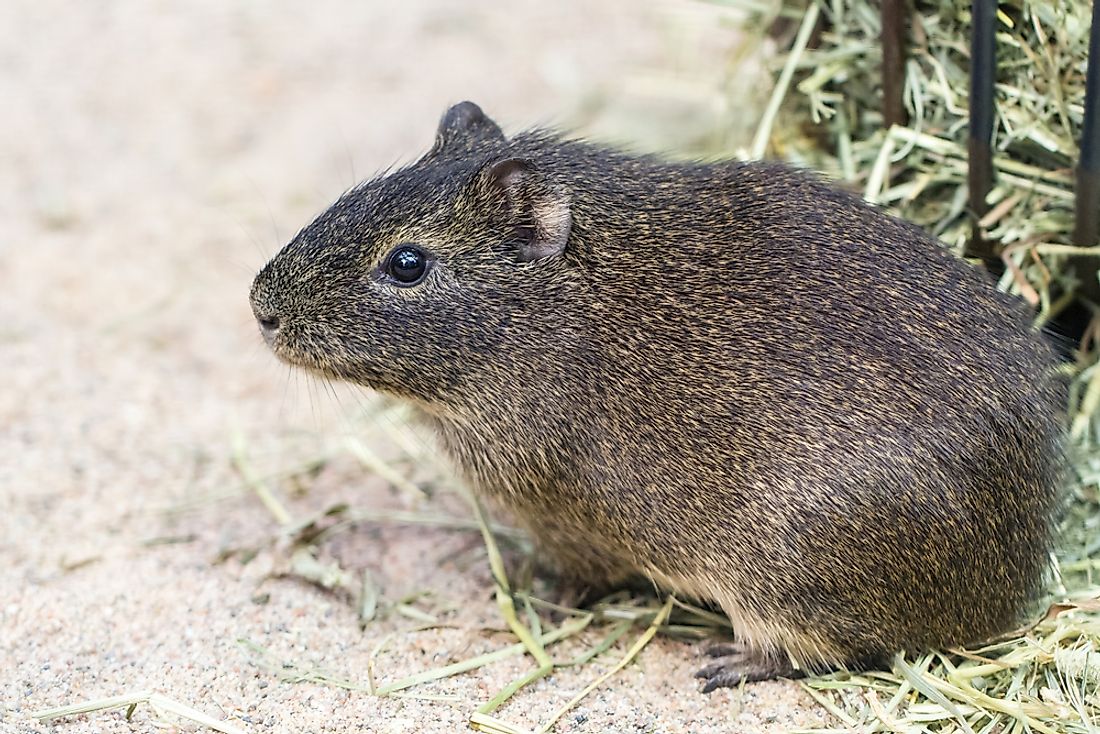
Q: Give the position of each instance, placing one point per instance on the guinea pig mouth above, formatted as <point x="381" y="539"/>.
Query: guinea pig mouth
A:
<point x="292" y="343"/>
<point x="321" y="354"/>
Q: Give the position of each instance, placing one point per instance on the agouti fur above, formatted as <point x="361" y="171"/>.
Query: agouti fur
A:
<point x="730" y="378"/>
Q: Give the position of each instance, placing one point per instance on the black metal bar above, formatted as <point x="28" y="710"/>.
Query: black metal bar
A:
<point x="1087" y="215"/>
<point x="1074" y="322"/>
<point x="983" y="65"/>
<point x="893" y="62"/>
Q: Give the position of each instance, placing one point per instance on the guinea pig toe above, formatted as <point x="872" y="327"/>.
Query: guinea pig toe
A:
<point x="720" y="677"/>
<point x="724" y="649"/>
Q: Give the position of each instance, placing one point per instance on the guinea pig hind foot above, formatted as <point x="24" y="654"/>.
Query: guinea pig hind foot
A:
<point x="735" y="662"/>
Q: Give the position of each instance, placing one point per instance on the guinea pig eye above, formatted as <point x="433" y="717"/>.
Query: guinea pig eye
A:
<point x="407" y="265"/>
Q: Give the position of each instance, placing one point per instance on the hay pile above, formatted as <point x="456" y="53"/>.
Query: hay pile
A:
<point x="833" y="120"/>
<point x="826" y="114"/>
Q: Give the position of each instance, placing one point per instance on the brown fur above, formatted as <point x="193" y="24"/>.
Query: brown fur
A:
<point x="731" y="378"/>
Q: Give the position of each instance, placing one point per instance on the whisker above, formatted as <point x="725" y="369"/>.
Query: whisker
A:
<point x="270" y="213"/>
<point x="286" y="389"/>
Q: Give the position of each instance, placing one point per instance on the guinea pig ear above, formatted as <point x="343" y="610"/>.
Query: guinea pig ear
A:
<point x="462" y="128"/>
<point x="540" y="213"/>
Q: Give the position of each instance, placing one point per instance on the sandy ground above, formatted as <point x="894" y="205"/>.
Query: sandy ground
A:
<point x="152" y="156"/>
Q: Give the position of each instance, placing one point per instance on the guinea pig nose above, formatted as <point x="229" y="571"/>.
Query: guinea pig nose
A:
<point x="269" y="325"/>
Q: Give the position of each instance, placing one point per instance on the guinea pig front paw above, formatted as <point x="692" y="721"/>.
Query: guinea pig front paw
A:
<point x="735" y="662"/>
<point x="578" y="594"/>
